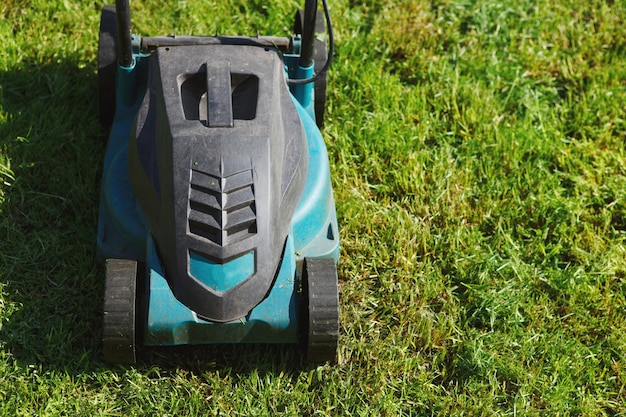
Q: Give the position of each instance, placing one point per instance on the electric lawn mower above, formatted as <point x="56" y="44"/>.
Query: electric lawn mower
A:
<point x="217" y="220"/>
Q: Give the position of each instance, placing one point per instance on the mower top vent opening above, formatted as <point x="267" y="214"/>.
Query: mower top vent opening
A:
<point x="195" y="89"/>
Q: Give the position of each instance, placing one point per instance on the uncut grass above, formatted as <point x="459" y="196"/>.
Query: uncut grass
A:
<point x="478" y="166"/>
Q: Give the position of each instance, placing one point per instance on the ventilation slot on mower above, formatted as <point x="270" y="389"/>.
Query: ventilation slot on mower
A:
<point x="222" y="209"/>
<point x="197" y="102"/>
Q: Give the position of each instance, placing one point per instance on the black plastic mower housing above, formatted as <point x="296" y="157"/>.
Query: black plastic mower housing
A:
<point x="218" y="160"/>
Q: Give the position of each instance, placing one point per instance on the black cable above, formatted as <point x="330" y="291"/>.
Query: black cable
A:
<point x="331" y="50"/>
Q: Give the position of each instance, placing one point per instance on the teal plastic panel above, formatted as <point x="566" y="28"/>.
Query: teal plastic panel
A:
<point x="314" y="224"/>
<point x="274" y="320"/>
<point x="221" y="277"/>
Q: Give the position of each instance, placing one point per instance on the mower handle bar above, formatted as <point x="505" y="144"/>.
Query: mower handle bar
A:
<point x="125" y="50"/>
<point x="151" y="43"/>
<point x="124" y="44"/>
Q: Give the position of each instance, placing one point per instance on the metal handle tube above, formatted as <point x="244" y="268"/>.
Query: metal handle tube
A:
<point x="124" y="46"/>
<point x="308" y="34"/>
<point x="151" y="43"/>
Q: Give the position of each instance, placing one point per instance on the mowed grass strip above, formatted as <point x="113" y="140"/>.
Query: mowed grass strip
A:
<point x="477" y="153"/>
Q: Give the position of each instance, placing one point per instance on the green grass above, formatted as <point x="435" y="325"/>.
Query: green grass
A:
<point x="479" y="168"/>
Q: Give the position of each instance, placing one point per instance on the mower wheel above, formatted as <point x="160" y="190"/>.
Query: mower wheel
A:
<point x="320" y="55"/>
<point x="107" y="65"/>
<point x="320" y="310"/>
<point x="120" y="311"/>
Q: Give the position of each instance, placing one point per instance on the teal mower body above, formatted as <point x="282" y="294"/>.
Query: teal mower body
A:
<point x="217" y="221"/>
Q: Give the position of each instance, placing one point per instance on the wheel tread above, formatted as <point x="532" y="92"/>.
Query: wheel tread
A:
<point x="321" y="310"/>
<point x="119" y="323"/>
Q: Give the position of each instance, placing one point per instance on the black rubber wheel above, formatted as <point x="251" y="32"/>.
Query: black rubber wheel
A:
<point x="107" y="66"/>
<point x="119" y="336"/>
<point x="320" y="55"/>
<point x="320" y="310"/>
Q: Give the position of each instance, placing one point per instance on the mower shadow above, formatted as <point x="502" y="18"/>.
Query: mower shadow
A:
<point x="48" y="277"/>
<point x="51" y="283"/>
<point x="240" y="359"/>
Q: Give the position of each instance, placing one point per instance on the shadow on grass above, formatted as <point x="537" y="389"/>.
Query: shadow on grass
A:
<point x="230" y="358"/>
<point x="48" y="278"/>
<point x="51" y="283"/>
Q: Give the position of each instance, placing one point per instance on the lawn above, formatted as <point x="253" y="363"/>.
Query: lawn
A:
<point x="479" y="166"/>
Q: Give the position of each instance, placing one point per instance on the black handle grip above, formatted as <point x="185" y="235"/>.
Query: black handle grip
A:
<point x="307" y="47"/>
<point x="124" y="47"/>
